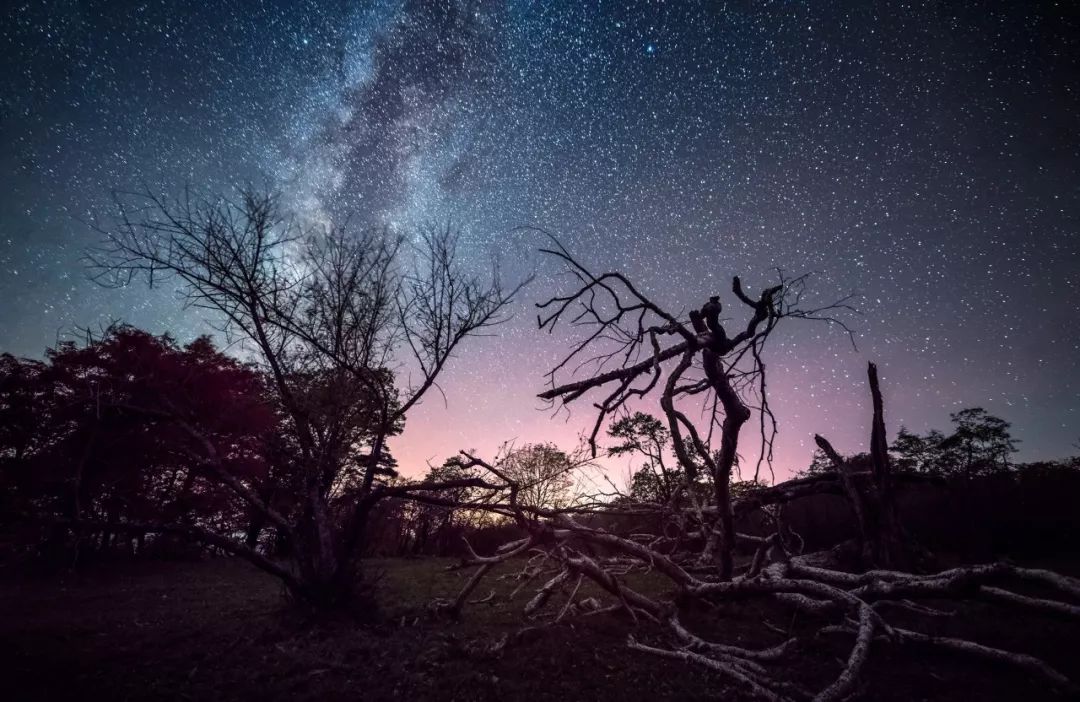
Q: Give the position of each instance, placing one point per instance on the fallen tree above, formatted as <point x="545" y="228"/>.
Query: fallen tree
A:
<point x="851" y="590"/>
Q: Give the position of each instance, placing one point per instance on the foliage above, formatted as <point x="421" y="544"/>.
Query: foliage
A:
<point x="436" y="522"/>
<point x="980" y="443"/>
<point x="641" y="434"/>
<point x="543" y="473"/>
<point x="110" y="430"/>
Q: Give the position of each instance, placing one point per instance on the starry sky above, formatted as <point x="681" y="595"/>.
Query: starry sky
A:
<point x="924" y="156"/>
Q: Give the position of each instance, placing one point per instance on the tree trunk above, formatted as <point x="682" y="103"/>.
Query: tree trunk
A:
<point x="882" y="541"/>
<point x="735" y="415"/>
<point x="889" y="540"/>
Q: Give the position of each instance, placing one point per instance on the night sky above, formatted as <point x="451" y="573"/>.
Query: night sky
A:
<point x="921" y="155"/>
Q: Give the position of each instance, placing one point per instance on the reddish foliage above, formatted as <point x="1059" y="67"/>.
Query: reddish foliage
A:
<point x="98" y="431"/>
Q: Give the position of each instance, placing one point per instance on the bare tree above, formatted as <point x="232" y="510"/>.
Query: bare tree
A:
<point x="724" y="371"/>
<point x="345" y="309"/>
<point x="849" y="597"/>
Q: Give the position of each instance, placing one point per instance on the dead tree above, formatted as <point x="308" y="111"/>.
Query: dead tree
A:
<point x="564" y="546"/>
<point x="310" y="303"/>
<point x="703" y="361"/>
<point x="852" y="605"/>
<point x="882" y="543"/>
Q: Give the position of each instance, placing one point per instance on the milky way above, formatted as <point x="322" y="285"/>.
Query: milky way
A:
<point x="922" y="156"/>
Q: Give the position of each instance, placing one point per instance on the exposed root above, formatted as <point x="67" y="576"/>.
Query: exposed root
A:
<point x="696" y="564"/>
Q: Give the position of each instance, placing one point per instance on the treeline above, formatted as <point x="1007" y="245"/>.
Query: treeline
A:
<point x="961" y="490"/>
<point x="291" y="449"/>
<point x="973" y="498"/>
<point x="84" y="439"/>
<point x="83" y="442"/>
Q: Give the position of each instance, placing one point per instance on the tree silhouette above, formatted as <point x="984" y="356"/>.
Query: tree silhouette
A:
<point x="103" y="455"/>
<point x="645" y="435"/>
<point x="981" y="440"/>
<point x="980" y="443"/>
<point x="726" y="372"/>
<point x="333" y="317"/>
<point x="631" y="348"/>
<point x="542" y="473"/>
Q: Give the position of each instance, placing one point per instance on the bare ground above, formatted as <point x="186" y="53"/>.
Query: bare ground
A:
<point x="217" y="630"/>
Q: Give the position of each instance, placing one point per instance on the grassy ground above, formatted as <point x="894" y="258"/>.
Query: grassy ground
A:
<point x="216" y="630"/>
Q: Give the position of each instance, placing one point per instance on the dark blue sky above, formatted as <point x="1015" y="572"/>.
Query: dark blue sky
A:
<point x="921" y="155"/>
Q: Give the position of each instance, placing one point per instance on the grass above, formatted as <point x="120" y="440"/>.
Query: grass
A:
<point x="217" y="630"/>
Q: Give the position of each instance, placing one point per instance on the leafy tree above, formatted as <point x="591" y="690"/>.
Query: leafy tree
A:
<point x="819" y="464"/>
<point x="437" y="519"/>
<point x="102" y="449"/>
<point x="645" y="435"/>
<point x="543" y="474"/>
<point x="745" y="488"/>
<point x="979" y="443"/>
<point x="921" y="454"/>
<point x="981" y="440"/>
<point x="23" y="431"/>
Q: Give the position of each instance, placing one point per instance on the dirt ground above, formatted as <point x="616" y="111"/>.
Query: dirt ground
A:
<point x="218" y="630"/>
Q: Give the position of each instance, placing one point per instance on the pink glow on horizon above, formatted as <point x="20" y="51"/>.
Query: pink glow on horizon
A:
<point x="484" y="410"/>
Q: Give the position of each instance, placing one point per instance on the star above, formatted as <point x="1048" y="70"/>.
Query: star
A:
<point x="925" y="163"/>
